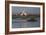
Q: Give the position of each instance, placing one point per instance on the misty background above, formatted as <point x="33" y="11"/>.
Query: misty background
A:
<point x="29" y="10"/>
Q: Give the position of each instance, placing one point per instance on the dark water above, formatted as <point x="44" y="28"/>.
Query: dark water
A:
<point x="20" y="23"/>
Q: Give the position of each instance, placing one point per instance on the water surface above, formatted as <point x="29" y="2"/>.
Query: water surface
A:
<point x="23" y="23"/>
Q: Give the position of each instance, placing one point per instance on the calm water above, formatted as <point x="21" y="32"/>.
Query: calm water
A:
<point x="22" y="23"/>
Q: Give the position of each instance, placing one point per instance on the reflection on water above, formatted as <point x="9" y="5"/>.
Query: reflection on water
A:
<point x="23" y="23"/>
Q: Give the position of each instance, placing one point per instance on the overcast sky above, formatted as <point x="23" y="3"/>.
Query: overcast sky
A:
<point x="30" y="10"/>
